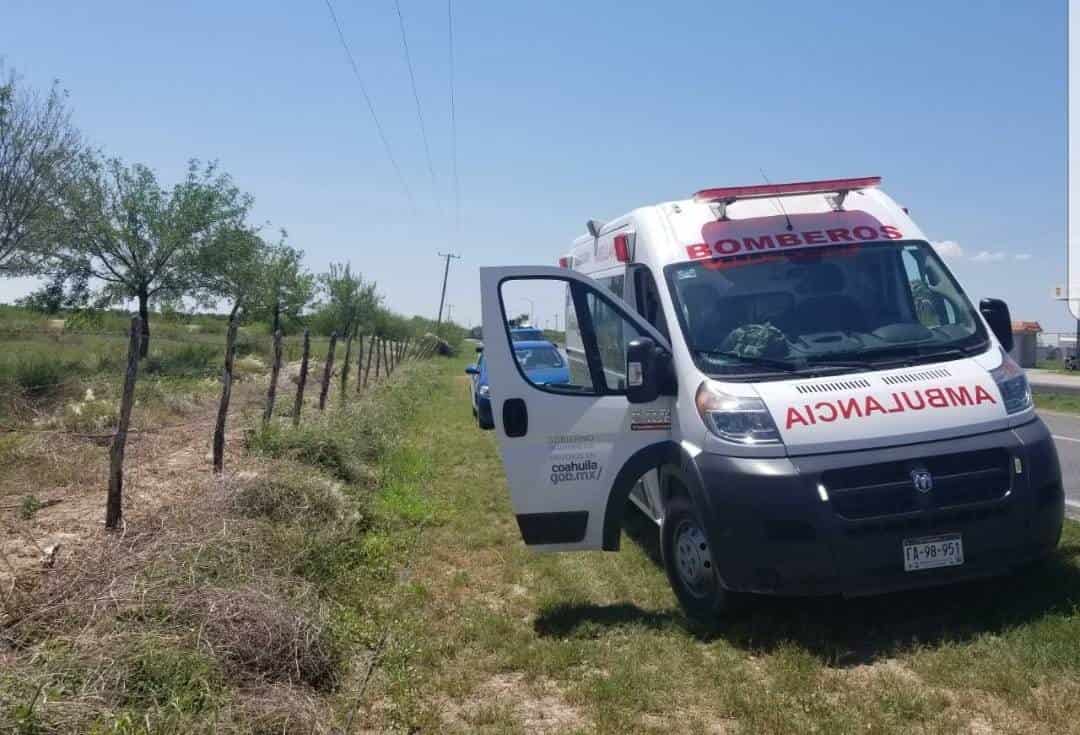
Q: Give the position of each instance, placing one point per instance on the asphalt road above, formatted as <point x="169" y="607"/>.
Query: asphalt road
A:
<point x="1066" y="430"/>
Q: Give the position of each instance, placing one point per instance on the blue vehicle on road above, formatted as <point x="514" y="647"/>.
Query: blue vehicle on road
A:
<point x="527" y="334"/>
<point x="542" y="362"/>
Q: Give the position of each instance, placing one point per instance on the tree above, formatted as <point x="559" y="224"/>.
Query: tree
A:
<point x="353" y="305"/>
<point x="353" y="302"/>
<point x="231" y="266"/>
<point x="62" y="290"/>
<point x="286" y="288"/>
<point x="40" y="150"/>
<point x="142" y="240"/>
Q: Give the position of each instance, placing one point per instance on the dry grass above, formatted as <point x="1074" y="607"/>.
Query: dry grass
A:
<point x="260" y="634"/>
<point x="224" y="605"/>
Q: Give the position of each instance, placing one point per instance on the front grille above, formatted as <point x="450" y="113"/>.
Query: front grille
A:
<point x="886" y="489"/>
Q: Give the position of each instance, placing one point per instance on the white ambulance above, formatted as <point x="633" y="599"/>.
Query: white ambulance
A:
<point x="791" y="383"/>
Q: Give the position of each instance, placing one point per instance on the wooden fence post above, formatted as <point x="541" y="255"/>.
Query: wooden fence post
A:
<point x="328" y="371"/>
<point x="378" y="357"/>
<point x="114" y="506"/>
<point x="371" y="351"/>
<point x="275" y="371"/>
<point x="226" y="395"/>
<point x="346" y="365"/>
<point x="386" y="358"/>
<point x="359" y="362"/>
<point x="405" y="349"/>
<point x="302" y="380"/>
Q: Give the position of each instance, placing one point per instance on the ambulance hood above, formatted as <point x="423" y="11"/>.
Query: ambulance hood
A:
<point x="888" y="407"/>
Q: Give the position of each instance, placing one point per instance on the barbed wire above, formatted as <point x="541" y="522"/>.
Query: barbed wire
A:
<point x="101" y="435"/>
<point x="10" y="429"/>
<point x="194" y="338"/>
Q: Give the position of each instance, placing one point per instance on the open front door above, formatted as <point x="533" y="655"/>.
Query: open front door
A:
<point x="571" y="442"/>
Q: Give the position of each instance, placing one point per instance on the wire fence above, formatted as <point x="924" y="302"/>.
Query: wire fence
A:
<point x="364" y="354"/>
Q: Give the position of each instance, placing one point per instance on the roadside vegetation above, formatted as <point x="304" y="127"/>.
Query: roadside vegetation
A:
<point x="364" y="574"/>
<point x="492" y="638"/>
<point x="252" y="603"/>
<point x="1061" y="402"/>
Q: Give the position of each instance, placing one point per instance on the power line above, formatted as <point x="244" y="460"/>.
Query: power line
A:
<point x="453" y="119"/>
<point x="416" y="96"/>
<point x="371" y="107"/>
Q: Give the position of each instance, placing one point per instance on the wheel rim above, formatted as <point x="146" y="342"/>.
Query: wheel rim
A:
<point x="693" y="560"/>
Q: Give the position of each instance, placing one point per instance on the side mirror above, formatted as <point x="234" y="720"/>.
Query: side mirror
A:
<point x="996" y="313"/>
<point x="472" y="370"/>
<point x="642" y="371"/>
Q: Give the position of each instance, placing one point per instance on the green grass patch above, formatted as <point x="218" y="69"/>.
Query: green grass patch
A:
<point x="1062" y="402"/>
<point x="598" y="641"/>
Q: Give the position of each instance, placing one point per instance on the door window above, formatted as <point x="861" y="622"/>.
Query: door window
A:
<point x="592" y="357"/>
<point x="647" y="299"/>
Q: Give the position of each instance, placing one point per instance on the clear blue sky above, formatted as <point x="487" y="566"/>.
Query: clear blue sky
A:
<point x="573" y="110"/>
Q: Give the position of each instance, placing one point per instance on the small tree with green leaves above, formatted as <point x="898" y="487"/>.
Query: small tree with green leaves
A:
<point x="140" y="239"/>
<point x="232" y="267"/>
<point x="286" y="289"/>
<point x="40" y="150"/>
<point x="352" y="302"/>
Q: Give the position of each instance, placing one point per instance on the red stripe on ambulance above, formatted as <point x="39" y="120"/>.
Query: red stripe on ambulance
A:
<point x="845" y="409"/>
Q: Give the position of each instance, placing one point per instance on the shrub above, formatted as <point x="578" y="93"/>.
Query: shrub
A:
<point x="188" y="360"/>
<point x="29" y="506"/>
<point x="256" y="633"/>
<point x="36" y="375"/>
<point x="321" y="444"/>
<point x="157" y="675"/>
<point x="90" y="414"/>
<point x="291" y="497"/>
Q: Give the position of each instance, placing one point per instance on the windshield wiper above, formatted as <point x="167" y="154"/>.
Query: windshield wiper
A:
<point x="824" y="361"/>
<point x="784" y="365"/>
<point x="896" y="355"/>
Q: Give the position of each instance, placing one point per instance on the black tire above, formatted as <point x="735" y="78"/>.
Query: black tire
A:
<point x="690" y="568"/>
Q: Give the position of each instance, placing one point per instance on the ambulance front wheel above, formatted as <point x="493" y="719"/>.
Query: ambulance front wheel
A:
<point x="689" y="563"/>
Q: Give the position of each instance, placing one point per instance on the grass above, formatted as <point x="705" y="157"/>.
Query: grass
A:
<point x="488" y="637"/>
<point x="1061" y="402"/>
<point x="364" y="573"/>
<point x="251" y="605"/>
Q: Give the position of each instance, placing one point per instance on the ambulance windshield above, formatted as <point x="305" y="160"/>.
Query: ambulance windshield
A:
<point x="854" y="306"/>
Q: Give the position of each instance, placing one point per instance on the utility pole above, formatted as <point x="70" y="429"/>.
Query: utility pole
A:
<point x="442" y="299"/>
<point x="450" y="313"/>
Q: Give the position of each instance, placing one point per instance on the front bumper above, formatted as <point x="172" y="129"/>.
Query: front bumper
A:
<point x="773" y="533"/>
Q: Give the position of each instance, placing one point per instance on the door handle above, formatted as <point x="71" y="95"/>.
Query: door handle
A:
<point x="515" y="417"/>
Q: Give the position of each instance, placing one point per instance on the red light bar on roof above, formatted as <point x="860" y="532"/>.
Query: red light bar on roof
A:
<point x="759" y="191"/>
<point x="622" y="248"/>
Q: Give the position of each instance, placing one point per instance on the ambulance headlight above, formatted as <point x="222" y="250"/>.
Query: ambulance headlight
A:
<point x="735" y="418"/>
<point x="1013" y="384"/>
<point x="485" y="390"/>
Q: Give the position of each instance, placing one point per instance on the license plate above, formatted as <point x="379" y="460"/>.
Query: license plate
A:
<point x="933" y="552"/>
